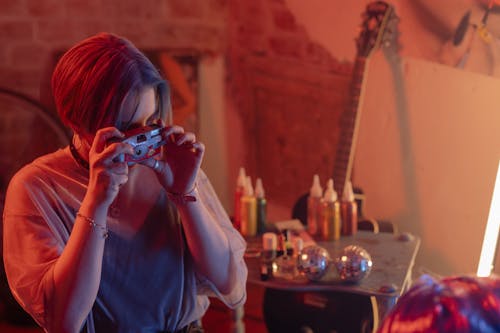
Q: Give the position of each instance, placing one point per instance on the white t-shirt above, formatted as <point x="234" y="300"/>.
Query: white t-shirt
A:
<point x="148" y="281"/>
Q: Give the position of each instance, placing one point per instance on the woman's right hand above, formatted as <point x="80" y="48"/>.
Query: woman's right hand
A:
<point x="106" y="173"/>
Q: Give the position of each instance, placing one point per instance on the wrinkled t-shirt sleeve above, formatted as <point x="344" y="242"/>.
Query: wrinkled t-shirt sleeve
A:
<point x="237" y="267"/>
<point x="30" y="244"/>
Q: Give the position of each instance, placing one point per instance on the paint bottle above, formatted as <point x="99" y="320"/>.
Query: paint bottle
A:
<point x="314" y="206"/>
<point x="330" y="221"/>
<point x="288" y="249"/>
<point x="238" y="193"/>
<point x="261" y="203"/>
<point x="285" y="266"/>
<point x="248" y="210"/>
<point x="281" y="250"/>
<point x="349" y="211"/>
<point x="269" y="252"/>
<point x="298" y="246"/>
<point x="269" y="247"/>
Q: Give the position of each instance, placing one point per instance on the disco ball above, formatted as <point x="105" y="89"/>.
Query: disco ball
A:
<point x="353" y="264"/>
<point x="313" y="262"/>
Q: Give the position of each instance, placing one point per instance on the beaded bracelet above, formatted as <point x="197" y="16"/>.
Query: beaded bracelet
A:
<point x="182" y="198"/>
<point x="93" y="224"/>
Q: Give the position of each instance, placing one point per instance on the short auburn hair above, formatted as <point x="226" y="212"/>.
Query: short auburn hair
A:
<point x="460" y="304"/>
<point x="95" y="80"/>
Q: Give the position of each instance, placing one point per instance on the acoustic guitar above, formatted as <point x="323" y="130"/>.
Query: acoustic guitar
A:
<point x="377" y="28"/>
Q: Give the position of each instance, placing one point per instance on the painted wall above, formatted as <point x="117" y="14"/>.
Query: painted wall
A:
<point x="429" y="141"/>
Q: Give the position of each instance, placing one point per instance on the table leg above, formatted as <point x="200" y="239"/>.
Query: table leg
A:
<point x="238" y="325"/>
<point x="381" y="307"/>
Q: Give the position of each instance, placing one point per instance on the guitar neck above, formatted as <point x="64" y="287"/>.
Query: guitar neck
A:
<point x="349" y="123"/>
<point x="378" y="24"/>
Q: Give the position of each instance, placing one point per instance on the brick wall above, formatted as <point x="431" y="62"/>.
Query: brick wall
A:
<point x="289" y="93"/>
<point x="32" y="30"/>
<point x="286" y="91"/>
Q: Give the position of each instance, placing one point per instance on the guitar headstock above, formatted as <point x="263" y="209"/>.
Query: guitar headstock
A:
<point x="378" y="28"/>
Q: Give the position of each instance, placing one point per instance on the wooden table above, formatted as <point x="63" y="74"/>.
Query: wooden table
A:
<point x="393" y="257"/>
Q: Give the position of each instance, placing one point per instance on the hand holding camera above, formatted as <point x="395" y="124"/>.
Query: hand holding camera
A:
<point x="106" y="176"/>
<point x="178" y="166"/>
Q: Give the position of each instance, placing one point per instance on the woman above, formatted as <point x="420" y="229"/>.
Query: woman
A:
<point x="98" y="244"/>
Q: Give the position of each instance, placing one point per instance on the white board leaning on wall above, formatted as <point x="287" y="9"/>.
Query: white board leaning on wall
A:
<point x="427" y="155"/>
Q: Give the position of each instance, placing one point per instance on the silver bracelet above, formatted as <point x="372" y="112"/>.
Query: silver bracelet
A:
<point x="182" y="198"/>
<point x="94" y="225"/>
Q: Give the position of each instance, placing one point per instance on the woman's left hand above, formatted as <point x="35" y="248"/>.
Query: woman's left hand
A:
<point x="180" y="161"/>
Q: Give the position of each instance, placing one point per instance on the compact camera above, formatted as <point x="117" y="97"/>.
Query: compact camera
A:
<point x="146" y="142"/>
